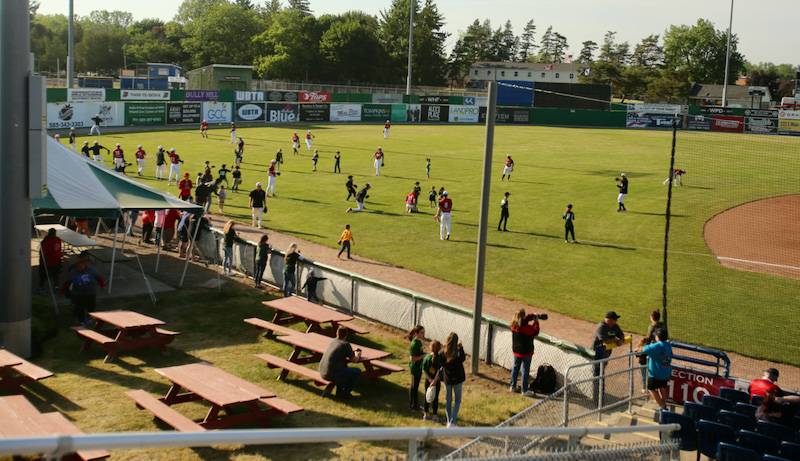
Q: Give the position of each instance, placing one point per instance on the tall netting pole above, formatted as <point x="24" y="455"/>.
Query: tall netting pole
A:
<point x="668" y="215"/>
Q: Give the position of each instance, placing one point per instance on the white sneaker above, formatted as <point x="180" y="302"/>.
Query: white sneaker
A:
<point x="512" y="389"/>
<point x="529" y="394"/>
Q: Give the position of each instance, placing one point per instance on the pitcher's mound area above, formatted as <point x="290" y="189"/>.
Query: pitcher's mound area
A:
<point x="761" y="236"/>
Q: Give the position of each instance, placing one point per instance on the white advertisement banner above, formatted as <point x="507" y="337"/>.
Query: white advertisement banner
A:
<point x="250" y="96"/>
<point x="666" y="109"/>
<point x="345" y="112"/>
<point x="789" y="115"/>
<point x="86" y="94"/>
<point x="80" y="114"/>
<point x="144" y="95"/>
<point x="463" y="114"/>
<point x="386" y="98"/>
<point x="217" y="112"/>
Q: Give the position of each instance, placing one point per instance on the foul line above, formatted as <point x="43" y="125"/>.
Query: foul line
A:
<point x="762" y="263"/>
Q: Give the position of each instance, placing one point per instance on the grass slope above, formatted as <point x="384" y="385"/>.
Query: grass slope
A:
<point x="618" y="265"/>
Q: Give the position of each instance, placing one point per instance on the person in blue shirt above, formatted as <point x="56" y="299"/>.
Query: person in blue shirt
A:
<point x="659" y="367"/>
<point x="81" y="287"/>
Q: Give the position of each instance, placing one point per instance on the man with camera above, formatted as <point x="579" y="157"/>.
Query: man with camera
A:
<point x="524" y="328"/>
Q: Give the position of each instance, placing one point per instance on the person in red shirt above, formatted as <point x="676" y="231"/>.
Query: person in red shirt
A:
<point x="508" y="168"/>
<point x="766" y="386"/>
<point x="204" y="129"/>
<point x="174" y="165"/>
<point x="443" y="216"/>
<point x="295" y="143"/>
<point x="378" y="161"/>
<point x="50" y="254"/>
<point x="148" y="222"/>
<point x="140" y="154"/>
<point x="386" y="127"/>
<point x="522" y="334"/>
<point x="118" y="156"/>
<point x="168" y="232"/>
<point x="309" y="140"/>
<point x="185" y="186"/>
<point x="233" y="133"/>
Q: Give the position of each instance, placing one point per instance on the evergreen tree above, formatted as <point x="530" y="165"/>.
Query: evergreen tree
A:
<point x="527" y="42"/>
<point x="587" y="52"/>
<point x="302" y="6"/>
<point x="547" y="45"/>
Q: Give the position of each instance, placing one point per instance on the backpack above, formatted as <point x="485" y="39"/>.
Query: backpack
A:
<point x="545" y="382"/>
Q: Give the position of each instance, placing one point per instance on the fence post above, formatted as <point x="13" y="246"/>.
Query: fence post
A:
<point x="416" y="316"/>
<point x="489" y="337"/>
<point x="566" y="398"/>
<point x="630" y="379"/>
<point x="352" y="294"/>
<point x="601" y="393"/>
<point x="412" y="450"/>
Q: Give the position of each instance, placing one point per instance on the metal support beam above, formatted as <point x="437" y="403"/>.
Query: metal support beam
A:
<point x="412" y="5"/>
<point x="70" y="44"/>
<point x="727" y="61"/>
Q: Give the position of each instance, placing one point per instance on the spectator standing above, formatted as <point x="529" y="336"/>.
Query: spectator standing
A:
<point x="222" y="195"/>
<point x="158" y="223"/>
<point x="454" y="377"/>
<point x="415" y="353"/>
<point x="650" y="337"/>
<point x="258" y="203"/>
<point x="81" y="287"/>
<point x="290" y="269"/>
<point x="524" y="328"/>
<point x="333" y="365"/>
<point x="431" y="366"/>
<point x="50" y="255"/>
<point x="310" y="285"/>
<point x="170" y="219"/>
<point x="230" y="237"/>
<point x="148" y="222"/>
<point x="185" y="186"/>
<point x="346" y="240"/>
<point x="337" y="162"/>
<point x="503" y="213"/>
<point x="569" y="224"/>
<point x="659" y="367"/>
<point x="183" y="233"/>
<point x="261" y="258"/>
<point x="607" y="335"/>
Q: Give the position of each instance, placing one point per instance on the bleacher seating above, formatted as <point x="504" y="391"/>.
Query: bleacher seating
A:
<point x="731" y="452"/>
<point x="757" y="400"/>
<point x="717" y="403"/>
<point x="758" y="442"/>
<point x="746" y="409"/>
<point x="734" y="396"/>
<point x="710" y="435"/>
<point x="773" y="458"/>
<point x="687" y="435"/>
<point x="698" y="411"/>
<point x="775" y="431"/>
<point x="737" y="421"/>
<point x="790" y="451"/>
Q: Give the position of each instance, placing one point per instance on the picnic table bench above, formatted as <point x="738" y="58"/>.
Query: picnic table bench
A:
<point x="117" y="331"/>
<point x="19" y="418"/>
<point x="294" y="309"/>
<point x="287" y="366"/>
<point x="16" y="371"/>
<point x="222" y="390"/>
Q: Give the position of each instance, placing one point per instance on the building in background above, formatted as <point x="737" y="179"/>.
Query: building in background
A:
<point x="220" y="77"/>
<point x="483" y="72"/>
<point x="750" y="97"/>
<point x="153" y="76"/>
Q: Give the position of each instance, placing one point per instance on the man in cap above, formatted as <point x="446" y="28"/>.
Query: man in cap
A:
<point x="174" y="165"/>
<point x="386" y="127"/>
<point x="508" y="168"/>
<point x="309" y="140"/>
<point x="85" y="149"/>
<point x="444" y="217"/>
<point x="204" y="129"/>
<point x="378" y="161"/>
<point x="119" y="157"/>
<point x="504" y="213"/>
<point x="96" y="121"/>
<point x="258" y="202"/>
<point x="272" y="178"/>
<point x="185" y="186"/>
<point x="161" y="162"/>
<point x="622" y="185"/>
<point x="766" y="385"/>
<point x="95" y="149"/>
<point x="361" y="197"/>
<point x="140" y="154"/>
<point x="607" y="336"/>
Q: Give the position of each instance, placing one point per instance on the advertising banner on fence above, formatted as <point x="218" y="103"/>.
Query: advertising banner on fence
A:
<point x="399" y="113"/>
<point x="760" y="121"/>
<point x="145" y="113"/>
<point x="257" y="96"/>
<point x="282" y="113"/>
<point x="79" y="114"/>
<point x="507" y="115"/>
<point x="144" y="95"/>
<point x="202" y="95"/>
<point x="184" y="112"/>
<point x="413" y="112"/>
<point x="277" y="96"/>
<point x="86" y="94"/>
<point x="346" y="113"/>
<point x="378" y="112"/>
<point x="463" y="114"/>
<point x="315" y="112"/>
<point x="788" y="121"/>
<point x="251" y="112"/>
<point x="386" y="98"/>
<point x="435" y="113"/>
<point x="653" y="115"/>
<point x="217" y="112"/>
<point x="690" y="386"/>
<point x="311" y="97"/>
<point x="699" y="122"/>
<point x="434" y="100"/>
<point x="727" y="124"/>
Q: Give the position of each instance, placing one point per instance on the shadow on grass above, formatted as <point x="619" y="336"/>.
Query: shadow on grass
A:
<point x="304" y="200"/>
<point x="493" y="245"/>
<point x="650" y="213"/>
<point x="296" y="232"/>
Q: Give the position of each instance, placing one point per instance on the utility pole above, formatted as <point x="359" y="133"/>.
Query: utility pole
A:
<point x="482" y="226"/>
<point x="412" y="5"/>
<point x="70" y="44"/>
<point x="15" y="208"/>
<point x="727" y="61"/>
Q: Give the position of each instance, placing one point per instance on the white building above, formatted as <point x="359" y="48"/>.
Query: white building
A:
<point x="482" y="72"/>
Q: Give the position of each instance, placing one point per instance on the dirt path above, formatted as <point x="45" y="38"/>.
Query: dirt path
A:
<point x="559" y="325"/>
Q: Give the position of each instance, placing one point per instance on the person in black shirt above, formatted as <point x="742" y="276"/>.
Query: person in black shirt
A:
<point x="360" y="198"/>
<point x="336" y="165"/>
<point x="223" y="175"/>
<point x="290" y="269"/>
<point x="351" y="188"/>
<point x="606" y="336"/>
<point x="569" y="227"/>
<point x="258" y="203"/>
<point x="85" y="149"/>
<point x="417" y="191"/>
<point x="161" y="163"/>
<point x="622" y="185"/>
<point x="208" y="176"/>
<point x="278" y="159"/>
<point x="504" y="212"/>
<point x="72" y="138"/>
<point x="95" y="150"/>
<point x="237" y="177"/>
<point x="333" y="364"/>
<point x="310" y="285"/>
<point x="95" y="129"/>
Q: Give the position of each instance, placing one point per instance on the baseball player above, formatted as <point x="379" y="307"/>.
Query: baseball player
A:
<point x="351" y="188"/>
<point x="204" y="129"/>
<point x="95" y="129"/>
<point x="233" y="133"/>
<point x="569" y="226"/>
<point x="85" y="149"/>
<point x="337" y="165"/>
<point x="503" y="213"/>
<point x="508" y="168"/>
<point x="622" y="185"/>
<point x="95" y="149"/>
<point x="314" y="160"/>
<point x="174" y="165"/>
<point x="161" y="162"/>
<point x="72" y="142"/>
<point x="295" y="143"/>
<point x="378" y="161"/>
<point x="360" y="198"/>
<point x="118" y="156"/>
<point x="444" y="217"/>
<point x="677" y="175"/>
<point x="272" y="178"/>
<point x="309" y="140"/>
<point x="386" y="127"/>
<point x="140" y="154"/>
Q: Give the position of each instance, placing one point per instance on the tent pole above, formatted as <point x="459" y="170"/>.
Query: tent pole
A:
<point x="125" y="235"/>
<point x="191" y="248"/>
<point x="146" y="280"/>
<point x="47" y="272"/>
<point x="97" y="228"/>
<point x="113" y="255"/>
<point x="158" y="248"/>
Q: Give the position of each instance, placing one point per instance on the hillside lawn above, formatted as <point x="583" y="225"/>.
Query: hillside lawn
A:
<point x="618" y="261"/>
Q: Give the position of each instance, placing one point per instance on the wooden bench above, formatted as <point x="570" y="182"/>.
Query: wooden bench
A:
<point x="287" y="366"/>
<point x="163" y="412"/>
<point x="63" y="426"/>
<point x="25" y="372"/>
<point x="352" y="326"/>
<point x="168" y="334"/>
<point x="272" y="328"/>
<point x="391" y="368"/>
<point x="31" y="371"/>
<point x="280" y="405"/>
<point x="90" y="336"/>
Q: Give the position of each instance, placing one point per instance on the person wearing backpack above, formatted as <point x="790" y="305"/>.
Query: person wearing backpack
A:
<point x="524" y="328"/>
<point x="454" y="377"/>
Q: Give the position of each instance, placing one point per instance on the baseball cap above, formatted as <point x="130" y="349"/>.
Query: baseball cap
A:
<point x="612" y="315"/>
<point x="444" y="193"/>
<point x="258" y="184"/>
<point x="622" y="174"/>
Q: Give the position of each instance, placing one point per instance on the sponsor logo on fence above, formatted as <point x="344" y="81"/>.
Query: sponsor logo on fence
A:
<point x="80" y="114"/>
<point x="288" y="96"/>
<point x="282" y="113"/>
<point x="144" y="95"/>
<point x="189" y="112"/>
<point x="469" y="100"/>
<point x="202" y="95"/>
<point x="250" y="112"/>
<point x="217" y="112"/>
<point x="86" y="94"/>
<point x="345" y="112"/>
<point x="314" y="96"/>
<point x="463" y="114"/>
<point x="690" y="385"/>
<point x="250" y="96"/>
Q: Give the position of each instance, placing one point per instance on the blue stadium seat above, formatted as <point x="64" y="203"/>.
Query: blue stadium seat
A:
<point x="758" y="442"/>
<point x="745" y="409"/>
<point x="773" y="458"/>
<point x="756" y="400"/>
<point x="734" y="395"/>
<point x="709" y="436"/>
<point x="730" y="452"/>
<point x="776" y="431"/>
<point x="697" y="412"/>
<point x="796" y="423"/>
<point x="717" y="403"/>
<point x="737" y="421"/>
<point x="790" y="451"/>
<point x="687" y="435"/>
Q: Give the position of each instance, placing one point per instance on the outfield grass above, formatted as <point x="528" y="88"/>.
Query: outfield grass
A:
<point x="617" y="266"/>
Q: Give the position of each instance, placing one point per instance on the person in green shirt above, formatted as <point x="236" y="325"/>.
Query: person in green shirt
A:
<point x="416" y="353"/>
<point x="431" y="365"/>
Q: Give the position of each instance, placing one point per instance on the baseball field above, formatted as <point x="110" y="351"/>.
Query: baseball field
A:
<point x="737" y="303"/>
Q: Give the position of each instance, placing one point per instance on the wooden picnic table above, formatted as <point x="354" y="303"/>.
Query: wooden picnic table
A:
<point x="15" y="371"/>
<point x="294" y="309"/>
<point x="124" y="330"/>
<point x="309" y="347"/>
<point x="7" y="359"/>
<point x="224" y="392"/>
<point x="19" y="418"/>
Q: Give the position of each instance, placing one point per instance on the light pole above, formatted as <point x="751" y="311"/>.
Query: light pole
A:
<point x="727" y="61"/>
<point x="70" y="44"/>
<point x="411" y="7"/>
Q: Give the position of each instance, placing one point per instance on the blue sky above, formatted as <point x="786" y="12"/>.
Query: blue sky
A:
<point x="767" y="31"/>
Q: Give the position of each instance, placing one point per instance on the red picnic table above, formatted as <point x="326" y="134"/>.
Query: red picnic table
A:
<point x="233" y="401"/>
<point x="294" y="309"/>
<point x="19" y="418"/>
<point x="124" y="330"/>
<point x="15" y="371"/>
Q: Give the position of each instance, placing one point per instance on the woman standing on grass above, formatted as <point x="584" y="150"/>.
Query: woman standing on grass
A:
<point x="431" y="366"/>
<point x="230" y="237"/>
<point x="290" y="269"/>
<point x="261" y="258"/>
<point x="454" y="377"/>
<point x="416" y="354"/>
